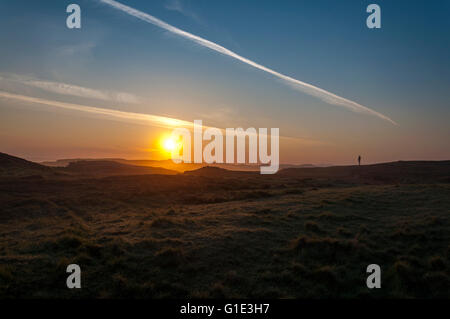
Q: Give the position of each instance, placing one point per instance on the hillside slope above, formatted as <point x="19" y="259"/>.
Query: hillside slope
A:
<point x="394" y="172"/>
<point x="11" y="166"/>
<point x="110" y="168"/>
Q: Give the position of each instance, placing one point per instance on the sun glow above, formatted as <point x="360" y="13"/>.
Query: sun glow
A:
<point x="169" y="144"/>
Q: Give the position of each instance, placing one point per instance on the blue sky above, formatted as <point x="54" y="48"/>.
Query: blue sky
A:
<point x="401" y="70"/>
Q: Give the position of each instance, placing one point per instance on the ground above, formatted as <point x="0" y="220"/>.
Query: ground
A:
<point x="194" y="236"/>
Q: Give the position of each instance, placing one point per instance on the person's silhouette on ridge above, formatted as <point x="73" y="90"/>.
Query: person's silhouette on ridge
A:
<point x="359" y="160"/>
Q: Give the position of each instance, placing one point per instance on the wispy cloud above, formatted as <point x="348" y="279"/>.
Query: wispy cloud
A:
<point x="178" y="6"/>
<point x="73" y="90"/>
<point x="135" y="118"/>
<point x="128" y="117"/>
<point x="76" y="49"/>
<point x="294" y="83"/>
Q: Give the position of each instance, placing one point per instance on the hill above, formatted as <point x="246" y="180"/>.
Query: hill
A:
<point x="393" y="172"/>
<point x="216" y="233"/>
<point x="11" y="166"/>
<point x="110" y="168"/>
<point x="211" y="171"/>
<point x="205" y="235"/>
<point x="167" y="164"/>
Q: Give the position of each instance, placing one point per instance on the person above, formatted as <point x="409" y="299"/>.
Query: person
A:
<point x="359" y="160"/>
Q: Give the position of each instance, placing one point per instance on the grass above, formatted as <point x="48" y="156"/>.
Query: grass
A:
<point x="197" y="237"/>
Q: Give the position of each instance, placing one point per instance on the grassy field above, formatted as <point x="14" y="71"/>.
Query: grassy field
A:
<point x="194" y="236"/>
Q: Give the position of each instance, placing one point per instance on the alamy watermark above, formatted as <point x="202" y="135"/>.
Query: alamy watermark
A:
<point x="374" y="19"/>
<point x="73" y="20"/>
<point x="228" y="146"/>
<point x="74" y="279"/>
<point x="374" y="279"/>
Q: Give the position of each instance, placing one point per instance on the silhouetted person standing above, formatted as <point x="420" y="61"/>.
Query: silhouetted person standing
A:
<point x="359" y="160"/>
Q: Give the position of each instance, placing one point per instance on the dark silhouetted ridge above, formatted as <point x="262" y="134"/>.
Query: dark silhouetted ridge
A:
<point x="11" y="166"/>
<point x="110" y="168"/>
<point x="211" y="171"/>
<point x="393" y="172"/>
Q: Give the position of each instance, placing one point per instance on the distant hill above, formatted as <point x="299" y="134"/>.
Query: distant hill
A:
<point x="401" y="171"/>
<point x="283" y="166"/>
<point x="66" y="162"/>
<point x="111" y="168"/>
<point x="11" y="166"/>
<point x="211" y="171"/>
<point x="169" y="164"/>
<point x="393" y="172"/>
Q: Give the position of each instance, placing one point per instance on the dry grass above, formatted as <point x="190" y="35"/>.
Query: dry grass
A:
<point x="193" y="236"/>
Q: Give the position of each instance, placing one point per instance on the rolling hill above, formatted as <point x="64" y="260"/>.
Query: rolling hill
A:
<point x="11" y="166"/>
<point x="110" y="168"/>
<point x="216" y="233"/>
<point x="393" y="172"/>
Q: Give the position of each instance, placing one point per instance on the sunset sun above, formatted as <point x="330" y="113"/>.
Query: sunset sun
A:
<point x="169" y="144"/>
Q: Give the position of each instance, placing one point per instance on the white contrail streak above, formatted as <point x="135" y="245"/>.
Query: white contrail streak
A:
<point x="130" y="117"/>
<point x="296" y="84"/>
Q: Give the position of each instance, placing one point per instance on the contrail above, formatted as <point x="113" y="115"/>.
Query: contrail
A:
<point x="294" y="83"/>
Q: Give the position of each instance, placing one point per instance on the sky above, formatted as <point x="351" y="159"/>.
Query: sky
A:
<point x="56" y="83"/>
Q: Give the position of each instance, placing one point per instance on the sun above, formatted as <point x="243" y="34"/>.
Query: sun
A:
<point x="169" y="144"/>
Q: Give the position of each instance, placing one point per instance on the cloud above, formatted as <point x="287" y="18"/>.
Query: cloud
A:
<point x="135" y="118"/>
<point x="128" y="117"/>
<point x="177" y="5"/>
<point x="76" y="49"/>
<point x="294" y="83"/>
<point x="74" y="90"/>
